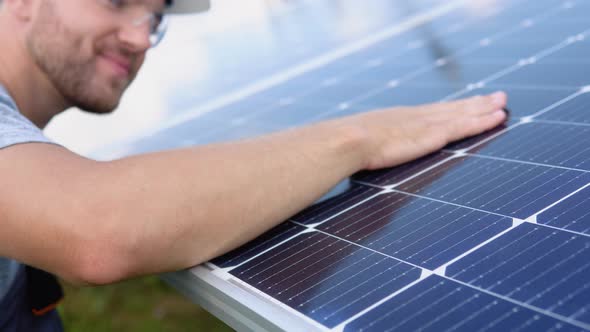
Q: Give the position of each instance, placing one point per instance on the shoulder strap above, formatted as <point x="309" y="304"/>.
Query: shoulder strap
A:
<point x="44" y="291"/>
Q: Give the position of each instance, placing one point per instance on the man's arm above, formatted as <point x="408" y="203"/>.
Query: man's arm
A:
<point x="100" y="222"/>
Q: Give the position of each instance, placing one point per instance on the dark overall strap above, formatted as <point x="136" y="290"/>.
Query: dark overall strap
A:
<point x="44" y="292"/>
<point x="16" y="310"/>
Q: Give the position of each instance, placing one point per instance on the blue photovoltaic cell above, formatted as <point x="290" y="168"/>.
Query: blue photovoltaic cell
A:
<point x="575" y="110"/>
<point x="461" y="70"/>
<point x="542" y="267"/>
<point x="572" y="213"/>
<point x="325" y="278"/>
<point x="389" y="176"/>
<point x="541" y="34"/>
<point x="553" y="70"/>
<point x="353" y="84"/>
<point x="532" y="36"/>
<point x="423" y="232"/>
<point x="508" y="188"/>
<point x="522" y="102"/>
<point x="547" y="74"/>
<point x="406" y="95"/>
<point x="264" y="242"/>
<point x="477" y="139"/>
<point x="554" y="144"/>
<point x="209" y="128"/>
<point x="576" y="52"/>
<point x="296" y="113"/>
<point x="335" y="261"/>
<point x="306" y="29"/>
<point x="437" y="304"/>
<point x="320" y="212"/>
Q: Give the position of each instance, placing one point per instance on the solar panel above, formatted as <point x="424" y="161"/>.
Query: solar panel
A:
<point x="491" y="233"/>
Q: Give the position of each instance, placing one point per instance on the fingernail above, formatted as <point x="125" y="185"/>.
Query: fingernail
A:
<point x="498" y="97"/>
<point x="501" y="113"/>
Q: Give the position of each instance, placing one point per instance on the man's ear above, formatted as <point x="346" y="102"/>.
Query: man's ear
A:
<point x="21" y="9"/>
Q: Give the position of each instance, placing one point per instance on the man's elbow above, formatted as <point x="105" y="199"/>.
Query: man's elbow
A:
<point x="97" y="263"/>
<point x="101" y="251"/>
<point x="97" y="266"/>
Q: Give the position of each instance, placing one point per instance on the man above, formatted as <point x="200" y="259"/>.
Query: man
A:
<point x="95" y="223"/>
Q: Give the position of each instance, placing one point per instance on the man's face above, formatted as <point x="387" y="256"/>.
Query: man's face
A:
<point x="88" y="55"/>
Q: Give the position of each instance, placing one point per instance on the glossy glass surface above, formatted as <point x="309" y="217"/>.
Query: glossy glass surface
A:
<point x="438" y="304"/>
<point x="491" y="233"/>
<point x="573" y="213"/>
<point x="326" y="278"/>
<point x="536" y="265"/>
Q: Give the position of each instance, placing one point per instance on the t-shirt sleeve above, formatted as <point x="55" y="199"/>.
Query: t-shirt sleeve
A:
<point x="17" y="129"/>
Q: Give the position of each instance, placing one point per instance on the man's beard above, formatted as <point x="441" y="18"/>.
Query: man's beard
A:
<point x="57" y="51"/>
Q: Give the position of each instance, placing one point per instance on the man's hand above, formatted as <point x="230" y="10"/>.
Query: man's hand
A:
<point x="402" y="134"/>
<point x="100" y="222"/>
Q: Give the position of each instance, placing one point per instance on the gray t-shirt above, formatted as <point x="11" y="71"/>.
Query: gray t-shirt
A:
<point x="14" y="129"/>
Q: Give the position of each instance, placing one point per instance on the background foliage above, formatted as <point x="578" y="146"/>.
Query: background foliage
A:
<point x="144" y="304"/>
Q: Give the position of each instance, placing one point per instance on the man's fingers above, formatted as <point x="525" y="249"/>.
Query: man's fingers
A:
<point x="478" y="104"/>
<point x="483" y="104"/>
<point x="477" y="114"/>
<point x="475" y="125"/>
<point x="491" y="120"/>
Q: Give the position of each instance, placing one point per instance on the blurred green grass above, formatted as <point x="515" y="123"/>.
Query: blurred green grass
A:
<point x="144" y="304"/>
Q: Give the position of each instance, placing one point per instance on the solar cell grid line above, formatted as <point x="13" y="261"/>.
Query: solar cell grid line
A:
<point x="317" y="213"/>
<point x="423" y="232"/>
<point x="560" y="25"/>
<point x="264" y="242"/>
<point x="509" y="188"/>
<point x="493" y="25"/>
<point x="354" y="75"/>
<point x="530" y="76"/>
<point x="463" y="70"/>
<point x="221" y="125"/>
<point x="241" y="131"/>
<point x="346" y="278"/>
<point x="378" y="97"/>
<point x="246" y="132"/>
<point x="576" y="110"/>
<point x="577" y="51"/>
<point x="261" y="87"/>
<point x="466" y="144"/>
<point x="562" y="145"/>
<point x="546" y="268"/>
<point x="571" y="214"/>
<point x="338" y="259"/>
<point x="548" y="68"/>
<point x="382" y="96"/>
<point x="438" y="304"/>
<point x="523" y="42"/>
<point x="384" y="51"/>
<point x="296" y="113"/>
<point x="403" y="95"/>
<point x="394" y="175"/>
<point x="388" y="50"/>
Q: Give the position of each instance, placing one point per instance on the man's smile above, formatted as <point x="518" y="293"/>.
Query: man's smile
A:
<point x="120" y="65"/>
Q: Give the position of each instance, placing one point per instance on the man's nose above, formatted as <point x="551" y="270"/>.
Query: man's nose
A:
<point x="136" y="37"/>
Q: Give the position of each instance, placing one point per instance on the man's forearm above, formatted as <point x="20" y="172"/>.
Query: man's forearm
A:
<point x="93" y="222"/>
<point x="174" y="209"/>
